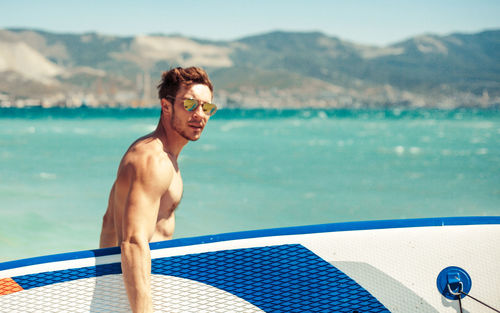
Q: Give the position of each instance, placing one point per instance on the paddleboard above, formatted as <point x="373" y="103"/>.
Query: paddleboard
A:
<point x="374" y="266"/>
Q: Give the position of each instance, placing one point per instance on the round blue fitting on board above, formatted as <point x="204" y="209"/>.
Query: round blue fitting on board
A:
<point x="452" y="280"/>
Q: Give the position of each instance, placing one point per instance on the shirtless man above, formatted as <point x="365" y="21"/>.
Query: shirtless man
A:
<point x="148" y="185"/>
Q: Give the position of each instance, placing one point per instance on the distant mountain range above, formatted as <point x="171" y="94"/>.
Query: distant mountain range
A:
<point x="277" y="69"/>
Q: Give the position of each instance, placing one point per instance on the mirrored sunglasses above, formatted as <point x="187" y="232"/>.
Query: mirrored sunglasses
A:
<point x="191" y="104"/>
<point x="208" y="108"/>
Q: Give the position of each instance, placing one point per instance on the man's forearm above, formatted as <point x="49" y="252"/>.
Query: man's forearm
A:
<point x="136" y="269"/>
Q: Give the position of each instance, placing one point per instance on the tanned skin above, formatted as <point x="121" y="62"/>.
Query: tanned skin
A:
<point x="148" y="188"/>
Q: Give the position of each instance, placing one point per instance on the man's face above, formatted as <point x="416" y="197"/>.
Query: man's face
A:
<point x="190" y="124"/>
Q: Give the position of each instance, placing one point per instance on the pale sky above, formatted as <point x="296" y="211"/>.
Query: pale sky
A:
<point x="361" y="21"/>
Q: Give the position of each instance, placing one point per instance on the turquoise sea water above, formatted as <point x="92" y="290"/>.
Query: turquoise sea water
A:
<point x="251" y="169"/>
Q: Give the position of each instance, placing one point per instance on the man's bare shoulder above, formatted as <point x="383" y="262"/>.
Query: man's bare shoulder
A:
<point x="146" y="162"/>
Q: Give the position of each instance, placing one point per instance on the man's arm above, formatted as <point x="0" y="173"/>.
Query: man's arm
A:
<point x="108" y="236"/>
<point x="149" y="179"/>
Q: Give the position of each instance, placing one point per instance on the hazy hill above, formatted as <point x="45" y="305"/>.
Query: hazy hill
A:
<point x="273" y="69"/>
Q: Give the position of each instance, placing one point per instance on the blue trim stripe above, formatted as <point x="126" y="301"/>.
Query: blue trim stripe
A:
<point x="298" y="230"/>
<point x="59" y="257"/>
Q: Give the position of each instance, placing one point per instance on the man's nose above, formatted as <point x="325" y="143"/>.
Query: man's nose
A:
<point x="198" y="112"/>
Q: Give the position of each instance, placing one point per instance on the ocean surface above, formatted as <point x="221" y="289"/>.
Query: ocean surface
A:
<point x="252" y="169"/>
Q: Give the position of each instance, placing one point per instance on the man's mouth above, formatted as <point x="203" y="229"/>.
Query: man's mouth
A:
<point x="196" y="126"/>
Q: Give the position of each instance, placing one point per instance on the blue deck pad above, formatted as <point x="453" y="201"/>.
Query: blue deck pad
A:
<point x="48" y="278"/>
<point x="284" y="278"/>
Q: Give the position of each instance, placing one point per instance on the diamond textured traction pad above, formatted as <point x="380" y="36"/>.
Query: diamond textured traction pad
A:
<point x="284" y="278"/>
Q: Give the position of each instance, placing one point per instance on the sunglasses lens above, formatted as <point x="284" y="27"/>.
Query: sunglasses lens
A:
<point x="190" y="104"/>
<point x="209" y="108"/>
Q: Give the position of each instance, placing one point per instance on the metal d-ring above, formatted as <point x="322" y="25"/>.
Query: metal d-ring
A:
<point x="460" y="291"/>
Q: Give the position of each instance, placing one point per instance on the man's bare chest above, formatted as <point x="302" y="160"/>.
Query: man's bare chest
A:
<point x="171" y="198"/>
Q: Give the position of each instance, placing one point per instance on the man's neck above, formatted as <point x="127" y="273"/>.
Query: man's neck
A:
<point x="171" y="140"/>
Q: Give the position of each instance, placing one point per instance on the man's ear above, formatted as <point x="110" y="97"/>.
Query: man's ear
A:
<point x="166" y="106"/>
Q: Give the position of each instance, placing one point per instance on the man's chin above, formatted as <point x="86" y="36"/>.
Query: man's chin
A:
<point x="192" y="137"/>
<point x="195" y="136"/>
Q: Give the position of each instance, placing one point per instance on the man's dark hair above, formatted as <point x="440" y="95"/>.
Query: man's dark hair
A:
<point x="178" y="77"/>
